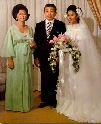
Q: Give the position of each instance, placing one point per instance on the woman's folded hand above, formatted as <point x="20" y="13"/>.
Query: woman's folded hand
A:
<point x="32" y="44"/>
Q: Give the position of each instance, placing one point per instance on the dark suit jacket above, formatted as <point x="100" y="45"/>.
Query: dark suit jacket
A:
<point x="43" y="46"/>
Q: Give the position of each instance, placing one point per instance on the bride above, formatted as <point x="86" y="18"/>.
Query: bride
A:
<point x="79" y="94"/>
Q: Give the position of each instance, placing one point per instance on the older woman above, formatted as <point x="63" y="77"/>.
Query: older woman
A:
<point x="18" y="50"/>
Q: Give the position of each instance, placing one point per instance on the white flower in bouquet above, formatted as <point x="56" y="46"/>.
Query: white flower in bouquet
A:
<point x="60" y="43"/>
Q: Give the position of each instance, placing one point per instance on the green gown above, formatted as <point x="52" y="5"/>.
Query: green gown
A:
<point x="19" y="85"/>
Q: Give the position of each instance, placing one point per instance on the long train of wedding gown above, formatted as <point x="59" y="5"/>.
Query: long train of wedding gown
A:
<point x="79" y="94"/>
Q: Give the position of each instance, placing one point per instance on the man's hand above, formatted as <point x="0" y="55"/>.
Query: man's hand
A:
<point x="10" y="63"/>
<point x="36" y="62"/>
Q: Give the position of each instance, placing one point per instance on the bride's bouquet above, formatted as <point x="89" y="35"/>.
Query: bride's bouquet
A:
<point x="64" y="43"/>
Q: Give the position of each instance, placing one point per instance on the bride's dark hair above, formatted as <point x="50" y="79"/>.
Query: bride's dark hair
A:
<point x="73" y="8"/>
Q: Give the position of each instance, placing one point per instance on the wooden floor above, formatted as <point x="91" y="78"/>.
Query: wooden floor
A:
<point x="35" y="115"/>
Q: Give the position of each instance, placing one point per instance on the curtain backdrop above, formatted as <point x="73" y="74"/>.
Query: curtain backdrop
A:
<point x="36" y="11"/>
<point x="95" y="6"/>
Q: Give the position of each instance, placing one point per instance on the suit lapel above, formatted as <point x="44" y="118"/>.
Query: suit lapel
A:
<point x="54" y="25"/>
<point x="54" y="29"/>
<point x="44" y="29"/>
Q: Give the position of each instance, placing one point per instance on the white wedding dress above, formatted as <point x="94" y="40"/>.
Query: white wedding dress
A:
<point x="79" y="94"/>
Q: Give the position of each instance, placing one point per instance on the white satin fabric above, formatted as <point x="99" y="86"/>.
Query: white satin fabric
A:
<point x="79" y="94"/>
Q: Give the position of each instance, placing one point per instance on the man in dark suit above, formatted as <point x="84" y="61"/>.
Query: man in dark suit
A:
<point x="44" y="32"/>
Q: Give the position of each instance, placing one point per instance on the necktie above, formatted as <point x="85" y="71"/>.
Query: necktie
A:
<point x="49" y="28"/>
